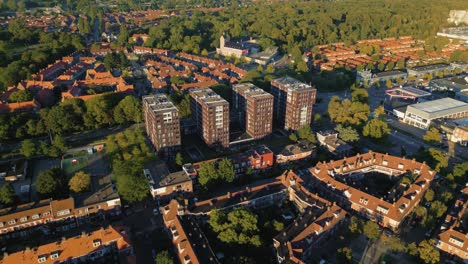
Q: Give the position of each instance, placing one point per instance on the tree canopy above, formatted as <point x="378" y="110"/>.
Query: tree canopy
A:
<point x="376" y="129"/>
<point x="238" y="226"/>
<point x="51" y="183"/>
<point x="432" y="136"/>
<point x="7" y="194"/>
<point x="347" y="134"/>
<point x="80" y="182"/>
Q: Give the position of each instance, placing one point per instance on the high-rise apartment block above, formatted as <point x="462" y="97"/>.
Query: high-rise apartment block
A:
<point x="162" y="124"/>
<point x="254" y="108"/>
<point x="210" y="113"/>
<point x="293" y="102"/>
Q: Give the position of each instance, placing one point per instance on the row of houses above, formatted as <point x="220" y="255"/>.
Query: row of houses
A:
<point x="318" y="220"/>
<point x="390" y="50"/>
<point x="77" y="76"/>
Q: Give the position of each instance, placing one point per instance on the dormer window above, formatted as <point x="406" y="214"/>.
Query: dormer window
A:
<point x="96" y="242"/>
<point x="41" y="259"/>
<point x="24" y="219"/>
<point x="54" y="255"/>
<point x="400" y="166"/>
<point x="363" y="200"/>
<point x="12" y="222"/>
<point x="456" y="241"/>
<point x="35" y="216"/>
<point x="416" y="171"/>
<point x="385" y="163"/>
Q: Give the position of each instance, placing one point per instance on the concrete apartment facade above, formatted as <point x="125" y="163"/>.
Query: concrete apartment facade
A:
<point x="162" y="124"/>
<point x="255" y="109"/>
<point x="211" y="115"/>
<point x="293" y="102"/>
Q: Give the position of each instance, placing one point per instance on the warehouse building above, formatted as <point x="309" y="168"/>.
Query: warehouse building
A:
<point x="421" y="115"/>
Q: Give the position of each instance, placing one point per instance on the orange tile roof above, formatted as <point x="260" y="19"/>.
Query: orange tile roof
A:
<point x="73" y="247"/>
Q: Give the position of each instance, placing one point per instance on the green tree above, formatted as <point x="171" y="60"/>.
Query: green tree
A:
<point x="50" y="182"/>
<point x="381" y="66"/>
<point x="7" y="194"/>
<point x="427" y="252"/>
<point x="394" y="243"/>
<point x="59" y="143"/>
<point x="432" y="136"/>
<point x="164" y="257"/>
<point x="226" y="170"/>
<point x="207" y="173"/>
<point x="376" y="128"/>
<point x="179" y="160"/>
<point x="438" y="159"/>
<point x="122" y="38"/>
<point x="355" y="225"/>
<point x="345" y="255"/>
<point x="80" y="182"/>
<point x="306" y="133"/>
<point x="438" y="209"/>
<point x="446" y="197"/>
<point x="460" y="171"/>
<point x="293" y="137"/>
<point x="21" y="96"/>
<point x="347" y="134"/>
<point x="238" y="226"/>
<point x="28" y="148"/>
<point x="360" y="95"/>
<point x="128" y="110"/>
<point x="132" y="185"/>
<point x="371" y="230"/>
<point x="401" y="63"/>
<point x="429" y="195"/>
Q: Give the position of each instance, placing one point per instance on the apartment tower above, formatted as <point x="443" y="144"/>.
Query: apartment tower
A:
<point x="254" y="108"/>
<point x="162" y="124"/>
<point x="210" y="113"/>
<point x="293" y="103"/>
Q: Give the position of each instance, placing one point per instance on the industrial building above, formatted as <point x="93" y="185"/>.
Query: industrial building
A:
<point x="420" y="115"/>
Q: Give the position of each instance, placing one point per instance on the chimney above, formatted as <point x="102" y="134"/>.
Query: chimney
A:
<point x="229" y="195"/>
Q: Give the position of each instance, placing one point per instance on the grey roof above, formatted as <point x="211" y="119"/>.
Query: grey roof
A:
<point x="207" y="96"/>
<point x="438" y="108"/>
<point x="159" y="102"/>
<point x="159" y="175"/>
<point x="293" y="84"/>
<point x="430" y="67"/>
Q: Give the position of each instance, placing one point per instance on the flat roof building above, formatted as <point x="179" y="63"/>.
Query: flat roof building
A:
<point x="420" y="71"/>
<point x="164" y="184"/>
<point x="211" y="115"/>
<point x="293" y="103"/>
<point x="162" y="123"/>
<point x="255" y="109"/>
<point x="421" y="115"/>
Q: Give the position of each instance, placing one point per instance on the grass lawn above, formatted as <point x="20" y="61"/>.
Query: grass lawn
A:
<point x="74" y="164"/>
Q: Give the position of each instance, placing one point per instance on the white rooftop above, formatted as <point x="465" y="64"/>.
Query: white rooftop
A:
<point x="438" y="105"/>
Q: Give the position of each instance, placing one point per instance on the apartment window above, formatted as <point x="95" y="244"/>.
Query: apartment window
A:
<point x="35" y="216"/>
<point x="63" y="212"/>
